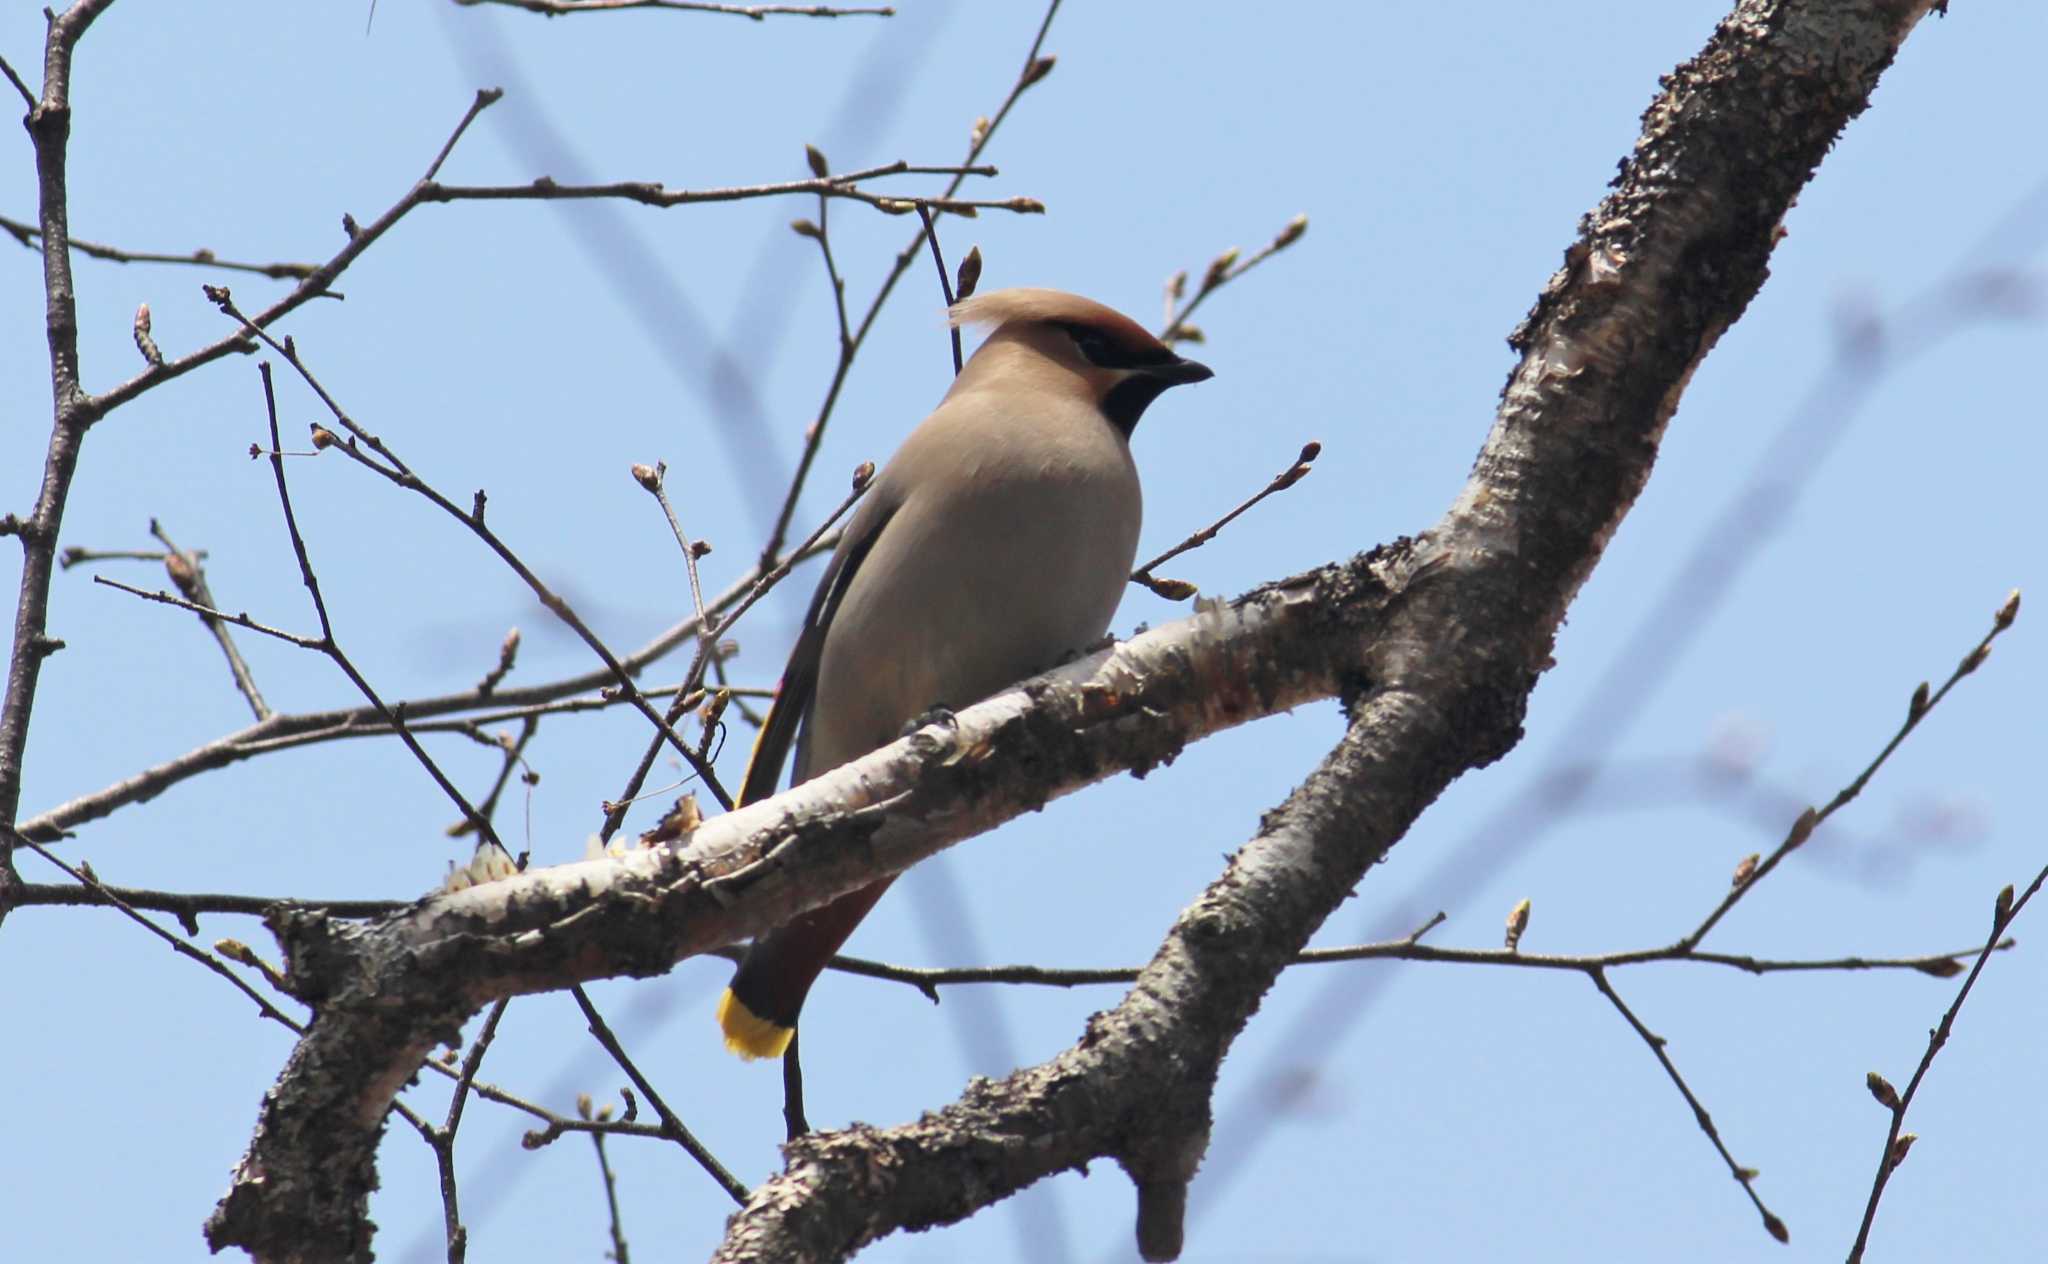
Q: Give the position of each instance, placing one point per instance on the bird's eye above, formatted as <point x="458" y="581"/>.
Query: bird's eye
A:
<point x="1092" y="346"/>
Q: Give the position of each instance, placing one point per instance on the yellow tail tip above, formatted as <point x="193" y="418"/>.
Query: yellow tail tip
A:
<point x="748" y="1034"/>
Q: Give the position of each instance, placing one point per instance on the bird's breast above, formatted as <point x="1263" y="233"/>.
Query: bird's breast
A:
<point x="1015" y="561"/>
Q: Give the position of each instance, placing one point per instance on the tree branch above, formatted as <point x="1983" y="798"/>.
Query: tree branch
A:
<point x="49" y="129"/>
<point x="1897" y="1142"/>
<point x="386" y="993"/>
<point x="26" y="234"/>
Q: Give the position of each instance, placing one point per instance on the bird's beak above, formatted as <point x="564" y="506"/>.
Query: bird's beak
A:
<point x="1180" y="372"/>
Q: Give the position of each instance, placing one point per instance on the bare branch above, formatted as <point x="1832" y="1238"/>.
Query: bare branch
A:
<point x="442" y="1140"/>
<point x="1896" y="1141"/>
<point x="1222" y="270"/>
<point x="208" y="612"/>
<point x="615" y="816"/>
<point x="931" y="234"/>
<point x="189" y="574"/>
<point x="655" y="481"/>
<point x="49" y="128"/>
<point x="514" y="749"/>
<point x="930" y="980"/>
<point x="653" y="193"/>
<point x="473" y="518"/>
<point x="508" y="655"/>
<point x="1745" y="1177"/>
<point x="28" y="97"/>
<point x="186" y="906"/>
<point x="619" y="1252"/>
<point x="331" y="647"/>
<point x="672" y="1125"/>
<point x="86" y="879"/>
<point x="26" y="233"/>
<point x="1181" y="590"/>
<point x="319" y="283"/>
<point x="1917" y="709"/>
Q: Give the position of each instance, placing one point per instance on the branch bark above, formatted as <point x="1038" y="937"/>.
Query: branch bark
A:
<point x="1434" y="645"/>
<point x="49" y="128"/>
<point x="385" y="993"/>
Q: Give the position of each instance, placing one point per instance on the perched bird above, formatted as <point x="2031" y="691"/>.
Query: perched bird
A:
<point x="995" y="543"/>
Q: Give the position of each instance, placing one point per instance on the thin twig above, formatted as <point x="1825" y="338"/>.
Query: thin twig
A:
<point x="186" y="906"/>
<point x="1745" y="1177"/>
<point x="514" y="749"/>
<point x="28" y="97"/>
<point x="360" y="238"/>
<point x="442" y="1139"/>
<point x="558" y="1126"/>
<point x="508" y="655"/>
<point x="76" y="556"/>
<point x="615" y="815"/>
<point x="620" y="1252"/>
<point x="1897" y="1142"/>
<point x="76" y="410"/>
<point x="210" y="612"/>
<point x="402" y="476"/>
<point x="118" y="898"/>
<point x="178" y="945"/>
<point x="655" y="480"/>
<point x="484" y="99"/>
<point x="672" y="1126"/>
<point x="929" y="981"/>
<point x="653" y="193"/>
<point x="1802" y="829"/>
<point x="931" y="234"/>
<point x="189" y="575"/>
<point x="821" y="232"/>
<point x="331" y="647"/>
<point x="1180" y="589"/>
<point x="1222" y="270"/>
<point x="26" y="233"/>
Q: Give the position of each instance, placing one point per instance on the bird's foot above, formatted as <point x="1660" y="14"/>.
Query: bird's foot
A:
<point x="938" y="713"/>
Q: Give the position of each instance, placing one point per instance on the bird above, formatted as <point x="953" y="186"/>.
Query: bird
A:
<point x="993" y="545"/>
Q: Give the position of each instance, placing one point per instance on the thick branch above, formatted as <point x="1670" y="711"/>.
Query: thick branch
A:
<point x="385" y="993"/>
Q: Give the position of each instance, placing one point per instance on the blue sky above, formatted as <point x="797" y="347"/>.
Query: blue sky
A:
<point x="1443" y="155"/>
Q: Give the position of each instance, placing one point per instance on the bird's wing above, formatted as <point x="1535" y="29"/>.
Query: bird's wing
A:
<point x="800" y="678"/>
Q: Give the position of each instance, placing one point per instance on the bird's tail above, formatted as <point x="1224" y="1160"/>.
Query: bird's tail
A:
<point x="758" y="1011"/>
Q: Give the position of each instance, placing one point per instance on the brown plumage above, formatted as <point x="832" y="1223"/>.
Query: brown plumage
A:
<point x="994" y="543"/>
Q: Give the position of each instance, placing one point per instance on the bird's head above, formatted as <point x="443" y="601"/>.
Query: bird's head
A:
<point x="1063" y="342"/>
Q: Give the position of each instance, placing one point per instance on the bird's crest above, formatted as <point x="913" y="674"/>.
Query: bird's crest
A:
<point x="1054" y="307"/>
